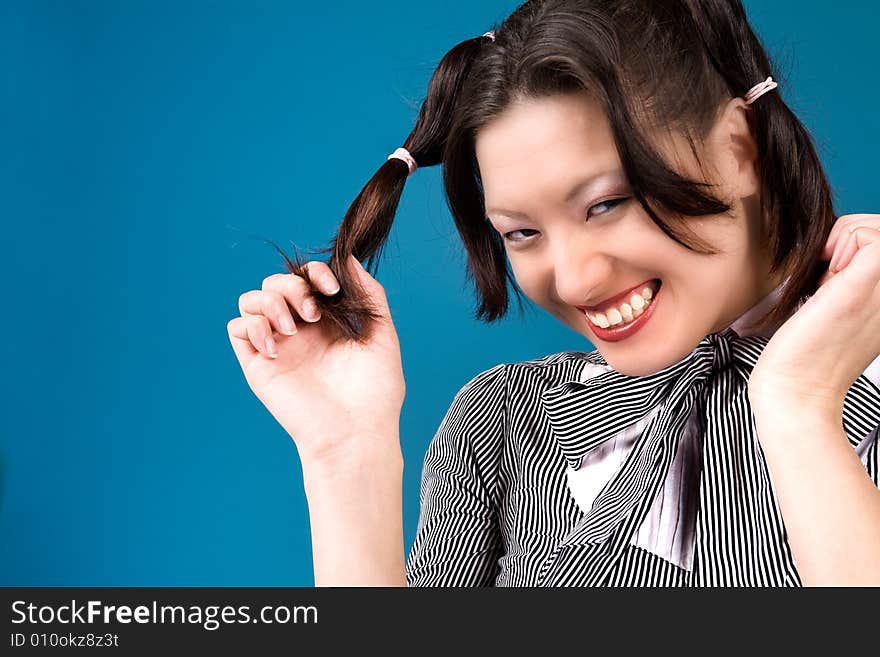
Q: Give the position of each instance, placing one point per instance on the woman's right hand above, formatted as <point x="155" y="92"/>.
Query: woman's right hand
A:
<point x="337" y="401"/>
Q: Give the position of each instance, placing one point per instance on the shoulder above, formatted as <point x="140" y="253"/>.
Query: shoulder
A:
<point x="528" y="380"/>
<point x="555" y="368"/>
<point x="525" y="378"/>
<point x="494" y="405"/>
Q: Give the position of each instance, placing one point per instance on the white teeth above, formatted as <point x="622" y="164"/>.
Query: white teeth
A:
<point x="599" y="320"/>
<point x="627" y="311"/>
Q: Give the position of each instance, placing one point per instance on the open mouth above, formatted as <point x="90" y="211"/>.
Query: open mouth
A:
<point x="627" y="315"/>
<point x="626" y="308"/>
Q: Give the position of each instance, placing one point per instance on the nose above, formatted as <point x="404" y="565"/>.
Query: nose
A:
<point x="579" y="270"/>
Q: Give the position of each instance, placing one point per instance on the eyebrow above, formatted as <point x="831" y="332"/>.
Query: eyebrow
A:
<point x="573" y="192"/>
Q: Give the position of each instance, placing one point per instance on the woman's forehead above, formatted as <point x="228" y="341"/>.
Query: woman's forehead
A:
<point x="570" y="122"/>
<point x="550" y="139"/>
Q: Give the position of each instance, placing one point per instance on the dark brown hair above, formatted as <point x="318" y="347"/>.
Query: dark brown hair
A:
<point x="651" y="64"/>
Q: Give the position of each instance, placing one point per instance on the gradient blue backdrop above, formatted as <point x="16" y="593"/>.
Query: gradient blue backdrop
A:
<point x="148" y="149"/>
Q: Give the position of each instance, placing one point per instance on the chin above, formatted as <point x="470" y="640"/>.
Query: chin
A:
<point x="634" y="364"/>
<point x="635" y="369"/>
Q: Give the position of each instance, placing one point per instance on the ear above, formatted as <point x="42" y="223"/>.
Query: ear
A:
<point x="735" y="148"/>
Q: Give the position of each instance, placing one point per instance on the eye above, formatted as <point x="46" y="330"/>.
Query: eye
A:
<point x="508" y="237"/>
<point x="610" y="204"/>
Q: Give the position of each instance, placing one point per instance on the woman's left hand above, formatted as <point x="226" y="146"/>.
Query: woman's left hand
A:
<point x="817" y="354"/>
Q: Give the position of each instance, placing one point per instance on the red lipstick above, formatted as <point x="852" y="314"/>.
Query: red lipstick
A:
<point x="617" y="333"/>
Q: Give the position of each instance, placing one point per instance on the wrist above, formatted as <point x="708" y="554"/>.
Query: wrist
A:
<point x="356" y="467"/>
<point x="373" y="445"/>
<point x="796" y="406"/>
<point x="782" y="426"/>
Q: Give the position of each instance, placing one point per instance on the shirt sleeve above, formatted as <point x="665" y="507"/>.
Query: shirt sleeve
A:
<point x="458" y="540"/>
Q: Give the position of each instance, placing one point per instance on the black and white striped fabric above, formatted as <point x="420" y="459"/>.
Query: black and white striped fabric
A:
<point x="496" y="509"/>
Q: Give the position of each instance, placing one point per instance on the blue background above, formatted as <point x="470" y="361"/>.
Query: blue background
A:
<point x="148" y="150"/>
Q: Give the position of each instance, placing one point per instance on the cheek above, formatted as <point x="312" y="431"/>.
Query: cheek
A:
<point x="530" y="282"/>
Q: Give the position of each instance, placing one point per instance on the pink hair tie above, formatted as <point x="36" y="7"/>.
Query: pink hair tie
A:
<point x="759" y="90"/>
<point x="403" y="154"/>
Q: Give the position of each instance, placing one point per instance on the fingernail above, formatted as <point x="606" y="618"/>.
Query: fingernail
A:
<point x="330" y="284"/>
<point x="310" y="310"/>
<point x="271" y="348"/>
<point x="835" y="259"/>
<point x="287" y="326"/>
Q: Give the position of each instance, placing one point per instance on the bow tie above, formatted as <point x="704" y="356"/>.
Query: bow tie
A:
<point x="712" y="380"/>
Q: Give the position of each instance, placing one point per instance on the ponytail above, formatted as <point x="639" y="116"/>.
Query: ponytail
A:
<point x="367" y="222"/>
<point x="796" y="200"/>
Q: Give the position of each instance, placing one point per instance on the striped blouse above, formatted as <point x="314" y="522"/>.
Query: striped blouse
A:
<point x="504" y="496"/>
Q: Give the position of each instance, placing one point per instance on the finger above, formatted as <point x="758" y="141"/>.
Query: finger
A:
<point x="241" y="343"/>
<point x="833" y="236"/>
<point x="372" y="287"/>
<point x="255" y="330"/>
<point x="847" y="251"/>
<point x="322" y="277"/>
<point x="839" y="248"/>
<point x="861" y="237"/>
<point x="259" y="332"/>
<point x="845" y="223"/>
<point x="295" y="292"/>
<point x="270" y="304"/>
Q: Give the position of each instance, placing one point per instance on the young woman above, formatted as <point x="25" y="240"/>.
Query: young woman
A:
<point x="632" y="167"/>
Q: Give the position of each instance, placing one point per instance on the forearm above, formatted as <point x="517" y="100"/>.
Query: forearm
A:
<point x="830" y="505"/>
<point x="356" y="516"/>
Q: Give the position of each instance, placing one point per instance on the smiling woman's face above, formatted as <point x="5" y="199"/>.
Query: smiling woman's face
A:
<point x="571" y="245"/>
